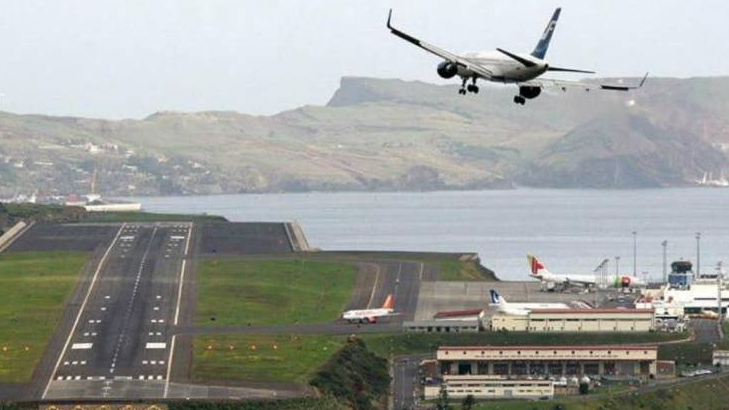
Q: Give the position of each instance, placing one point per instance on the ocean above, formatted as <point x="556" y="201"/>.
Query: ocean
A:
<point x="569" y="230"/>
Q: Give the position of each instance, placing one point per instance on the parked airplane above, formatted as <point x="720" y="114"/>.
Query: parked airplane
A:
<point x="503" y="66"/>
<point x="520" y="309"/>
<point x="370" y="315"/>
<point x="539" y="271"/>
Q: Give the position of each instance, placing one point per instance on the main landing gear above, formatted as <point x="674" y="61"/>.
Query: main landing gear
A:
<point x="518" y="99"/>
<point x="471" y="88"/>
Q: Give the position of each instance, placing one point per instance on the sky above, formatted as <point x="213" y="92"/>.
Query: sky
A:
<point x="131" y="58"/>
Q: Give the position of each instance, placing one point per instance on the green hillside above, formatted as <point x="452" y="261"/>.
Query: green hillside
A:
<point x="378" y="134"/>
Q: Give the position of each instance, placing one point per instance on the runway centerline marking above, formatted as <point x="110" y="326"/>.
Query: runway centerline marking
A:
<point x="81" y="309"/>
<point x="130" y="305"/>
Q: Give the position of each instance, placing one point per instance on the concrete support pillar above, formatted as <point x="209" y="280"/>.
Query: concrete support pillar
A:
<point x="582" y="368"/>
<point x="601" y="367"/>
<point x="546" y="367"/>
<point x="528" y="368"/>
<point x="564" y="368"/>
<point x="509" y="369"/>
<point x="491" y="368"/>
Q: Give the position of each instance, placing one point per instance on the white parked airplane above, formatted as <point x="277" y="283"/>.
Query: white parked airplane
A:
<point x="539" y="271"/>
<point x="520" y="309"/>
<point x="503" y="66"/>
<point x="370" y="315"/>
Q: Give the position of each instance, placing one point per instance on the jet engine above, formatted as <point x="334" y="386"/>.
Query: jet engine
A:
<point x="530" y="92"/>
<point x="625" y="281"/>
<point x="447" y="69"/>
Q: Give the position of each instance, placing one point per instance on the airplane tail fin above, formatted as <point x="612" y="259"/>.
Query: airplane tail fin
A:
<point x="496" y="298"/>
<point x="535" y="266"/>
<point x="388" y="302"/>
<point x="541" y="49"/>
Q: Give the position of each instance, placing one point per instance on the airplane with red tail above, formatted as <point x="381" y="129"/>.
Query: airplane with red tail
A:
<point x="371" y="315"/>
<point x="539" y="271"/>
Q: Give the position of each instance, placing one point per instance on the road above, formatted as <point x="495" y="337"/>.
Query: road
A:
<point x="406" y="378"/>
<point x="120" y="343"/>
<point x="705" y="330"/>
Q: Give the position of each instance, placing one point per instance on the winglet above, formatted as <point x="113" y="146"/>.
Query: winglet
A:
<point x="643" y="80"/>
<point x="389" y="17"/>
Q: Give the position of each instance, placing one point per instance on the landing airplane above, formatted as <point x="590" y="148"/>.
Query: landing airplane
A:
<point x="519" y="309"/>
<point x="370" y="315"/>
<point x="506" y="67"/>
<point x="539" y="271"/>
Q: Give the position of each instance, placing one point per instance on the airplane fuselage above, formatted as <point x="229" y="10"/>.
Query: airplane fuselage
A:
<point x="504" y="69"/>
<point x="365" y="315"/>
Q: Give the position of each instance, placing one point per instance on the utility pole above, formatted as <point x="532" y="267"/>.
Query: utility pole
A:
<point x="617" y="266"/>
<point x="664" y="244"/>
<point x="635" y="254"/>
<point x="718" y="296"/>
<point x="698" y="254"/>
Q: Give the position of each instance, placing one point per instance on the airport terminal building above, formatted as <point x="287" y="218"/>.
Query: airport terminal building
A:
<point x="576" y="320"/>
<point x="515" y="361"/>
<point x="534" y="372"/>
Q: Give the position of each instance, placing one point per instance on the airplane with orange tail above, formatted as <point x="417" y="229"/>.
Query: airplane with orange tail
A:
<point x="539" y="271"/>
<point x="370" y="315"/>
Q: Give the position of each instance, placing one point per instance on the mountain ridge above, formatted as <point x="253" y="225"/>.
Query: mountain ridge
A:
<point x="384" y="134"/>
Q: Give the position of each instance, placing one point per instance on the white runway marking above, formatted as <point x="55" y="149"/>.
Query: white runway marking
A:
<point x="153" y="345"/>
<point x="130" y="305"/>
<point x="81" y="346"/>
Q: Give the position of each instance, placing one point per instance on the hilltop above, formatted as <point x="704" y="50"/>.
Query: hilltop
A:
<point x="380" y="134"/>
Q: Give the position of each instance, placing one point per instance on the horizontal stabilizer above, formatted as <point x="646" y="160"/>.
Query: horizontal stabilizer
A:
<point x="569" y="70"/>
<point x="524" y="61"/>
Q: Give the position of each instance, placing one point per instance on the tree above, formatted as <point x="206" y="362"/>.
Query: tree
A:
<point x="442" y="402"/>
<point x="468" y="402"/>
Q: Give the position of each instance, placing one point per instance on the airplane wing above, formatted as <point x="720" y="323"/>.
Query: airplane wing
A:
<point x="447" y="55"/>
<point x="564" y="85"/>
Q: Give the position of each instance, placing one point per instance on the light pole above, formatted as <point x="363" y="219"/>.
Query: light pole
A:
<point x="635" y="254"/>
<point x="617" y="266"/>
<point x="664" y="244"/>
<point x="698" y="254"/>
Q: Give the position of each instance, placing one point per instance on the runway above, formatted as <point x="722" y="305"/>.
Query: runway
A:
<point x="242" y="238"/>
<point x="120" y="343"/>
